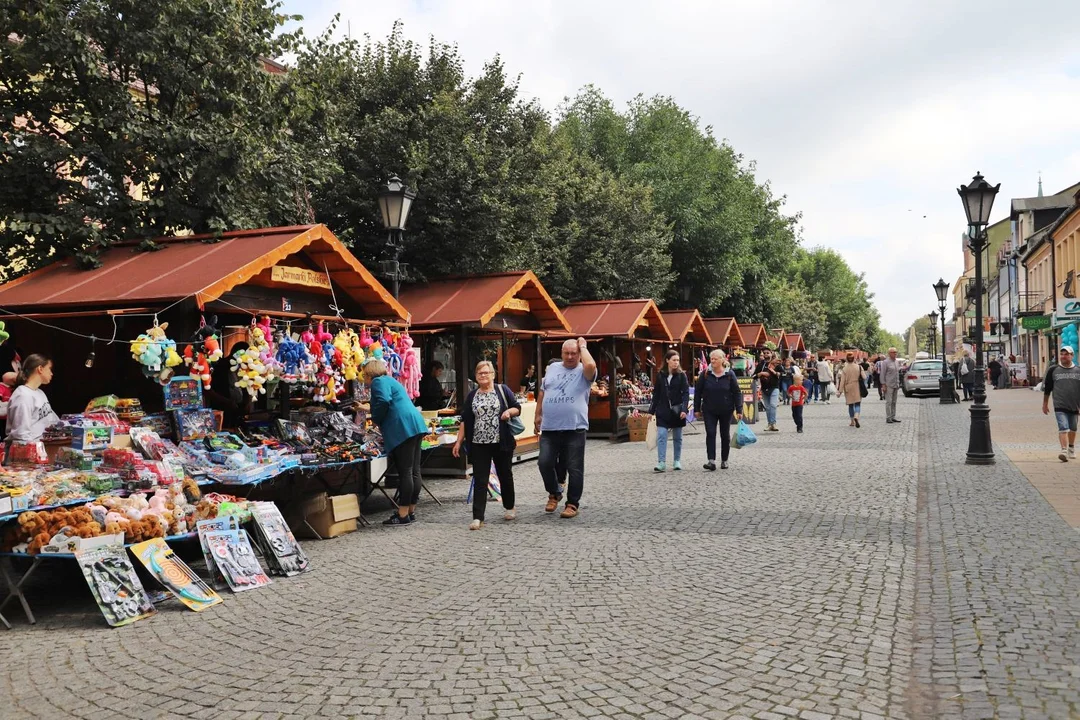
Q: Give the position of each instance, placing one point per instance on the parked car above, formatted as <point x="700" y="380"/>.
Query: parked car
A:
<point x="922" y="377"/>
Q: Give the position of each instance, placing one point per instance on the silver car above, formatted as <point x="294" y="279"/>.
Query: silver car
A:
<point x="922" y="377"/>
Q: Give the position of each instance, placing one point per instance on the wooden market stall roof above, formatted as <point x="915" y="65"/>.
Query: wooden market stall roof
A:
<point x="477" y="299"/>
<point x="795" y="342"/>
<point x="687" y="326"/>
<point x="186" y="266"/>
<point x="725" y="332"/>
<point x="779" y="338"/>
<point x="616" y="318"/>
<point x="753" y="334"/>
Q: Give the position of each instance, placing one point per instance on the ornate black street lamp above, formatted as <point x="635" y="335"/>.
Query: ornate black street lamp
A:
<point x="946" y="384"/>
<point x="933" y="333"/>
<point x="395" y="201"/>
<point x="978" y="198"/>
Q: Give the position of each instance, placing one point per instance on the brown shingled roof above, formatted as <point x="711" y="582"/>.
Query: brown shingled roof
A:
<point x="476" y="300"/>
<point x="187" y="267"/>
<point x="753" y="334"/>
<point x="725" y="331"/>
<point x="616" y="318"/>
<point x="687" y="326"/>
<point x="794" y="341"/>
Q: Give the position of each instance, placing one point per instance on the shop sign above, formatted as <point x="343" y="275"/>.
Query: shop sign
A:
<point x="299" y="276"/>
<point x="519" y="304"/>
<point x="1035" y="322"/>
<point x="1068" y="312"/>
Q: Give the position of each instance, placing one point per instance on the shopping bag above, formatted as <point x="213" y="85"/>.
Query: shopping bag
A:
<point x="744" y="435"/>
<point x="650" y="434"/>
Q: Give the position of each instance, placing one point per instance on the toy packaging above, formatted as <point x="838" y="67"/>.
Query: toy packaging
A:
<point x="175" y="575"/>
<point x="193" y="424"/>
<point x="91" y="437"/>
<point x="283" y="553"/>
<point x="235" y="559"/>
<point x="221" y="523"/>
<point x="183" y="393"/>
<point x="105" y="402"/>
<point x="114" y="584"/>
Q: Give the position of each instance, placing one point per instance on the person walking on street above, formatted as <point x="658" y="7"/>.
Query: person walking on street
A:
<point x="488" y="440"/>
<point x="851" y="384"/>
<point x="1063" y="382"/>
<point x="994" y="366"/>
<point x="891" y="377"/>
<point x="812" y="376"/>
<point x="769" y="379"/>
<point x="825" y="378"/>
<point x="879" y="378"/>
<point x="717" y="393"/>
<point x="966" y="372"/>
<point x="562" y="418"/>
<point x="798" y="394"/>
<point x="670" y="402"/>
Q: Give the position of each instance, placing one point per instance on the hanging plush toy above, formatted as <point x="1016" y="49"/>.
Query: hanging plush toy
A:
<point x="207" y="335"/>
<point x="293" y="356"/>
<point x="410" y="367"/>
<point x="200" y="370"/>
<point x="365" y="338"/>
<point x="343" y="354"/>
<point x="250" y="371"/>
<point x="268" y="334"/>
<point x="152" y="350"/>
<point x="257" y="337"/>
<point x="4" y="334"/>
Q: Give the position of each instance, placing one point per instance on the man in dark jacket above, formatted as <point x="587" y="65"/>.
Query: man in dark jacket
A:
<point x="717" y="392"/>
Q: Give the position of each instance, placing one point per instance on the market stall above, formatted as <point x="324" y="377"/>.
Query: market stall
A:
<point x="691" y="338"/>
<point x="795" y="346"/>
<point x="629" y="337"/>
<point x="458" y="322"/>
<point x="753" y="335"/>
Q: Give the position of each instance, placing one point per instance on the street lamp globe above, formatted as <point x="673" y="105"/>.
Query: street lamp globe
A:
<point x="941" y="288"/>
<point x="933" y="319"/>
<point x="978" y="199"/>
<point x="395" y="201"/>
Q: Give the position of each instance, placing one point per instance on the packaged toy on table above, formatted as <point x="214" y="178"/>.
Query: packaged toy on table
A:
<point x="27" y="454"/>
<point x="149" y="443"/>
<point x="283" y="553"/>
<point x="232" y="553"/>
<point x="90" y="437"/>
<point x="129" y="410"/>
<point x="175" y="575"/>
<point x="194" y="424"/>
<point x="161" y="423"/>
<point x="204" y="527"/>
<point x="114" y="584"/>
<point x="75" y="459"/>
<point x="183" y="393"/>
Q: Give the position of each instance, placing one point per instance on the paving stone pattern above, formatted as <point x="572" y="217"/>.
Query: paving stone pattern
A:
<point x="839" y="573"/>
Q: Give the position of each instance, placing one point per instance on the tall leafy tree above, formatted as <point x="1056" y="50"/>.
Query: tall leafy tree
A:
<point x="127" y="119"/>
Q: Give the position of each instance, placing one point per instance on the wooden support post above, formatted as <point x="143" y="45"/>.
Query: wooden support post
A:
<point x="613" y="388"/>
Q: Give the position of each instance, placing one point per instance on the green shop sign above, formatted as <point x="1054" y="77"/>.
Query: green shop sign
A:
<point x="1035" y="322"/>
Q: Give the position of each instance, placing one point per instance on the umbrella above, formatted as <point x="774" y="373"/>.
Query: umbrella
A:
<point x="912" y="343"/>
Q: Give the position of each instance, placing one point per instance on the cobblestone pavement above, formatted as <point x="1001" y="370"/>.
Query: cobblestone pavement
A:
<point x="838" y="573"/>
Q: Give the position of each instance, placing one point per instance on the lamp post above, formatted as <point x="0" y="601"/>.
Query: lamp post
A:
<point x="933" y="333"/>
<point x="946" y="391"/>
<point x="395" y="201"/>
<point x="978" y="197"/>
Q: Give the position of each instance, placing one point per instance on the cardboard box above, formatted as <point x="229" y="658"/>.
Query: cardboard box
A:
<point x="6" y="506"/>
<point x="329" y="517"/>
<point x="91" y="438"/>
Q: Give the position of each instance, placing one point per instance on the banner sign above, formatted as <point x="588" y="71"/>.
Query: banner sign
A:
<point x="299" y="276"/>
<point x="1035" y="322"/>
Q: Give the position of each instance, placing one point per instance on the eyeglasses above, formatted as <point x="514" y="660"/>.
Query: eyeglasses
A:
<point x="485" y="372"/>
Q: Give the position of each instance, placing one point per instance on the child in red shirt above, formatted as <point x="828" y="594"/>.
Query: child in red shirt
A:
<point x="798" y="394"/>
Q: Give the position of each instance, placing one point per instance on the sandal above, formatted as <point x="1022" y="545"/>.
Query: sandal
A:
<point x="570" y="511"/>
<point x="552" y="503"/>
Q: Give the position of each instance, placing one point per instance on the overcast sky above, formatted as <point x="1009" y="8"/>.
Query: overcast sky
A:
<point x="867" y="115"/>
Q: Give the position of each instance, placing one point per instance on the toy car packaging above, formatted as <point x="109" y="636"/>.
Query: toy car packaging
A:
<point x="283" y="554"/>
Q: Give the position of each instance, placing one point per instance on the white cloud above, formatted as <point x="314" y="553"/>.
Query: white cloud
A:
<point x="857" y="111"/>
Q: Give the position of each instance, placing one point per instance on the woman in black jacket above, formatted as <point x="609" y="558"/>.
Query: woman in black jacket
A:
<point x="717" y="391"/>
<point x="670" y="402"/>
<point x="485" y="432"/>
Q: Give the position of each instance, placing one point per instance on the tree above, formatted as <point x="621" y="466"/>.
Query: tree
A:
<point x="134" y="119"/>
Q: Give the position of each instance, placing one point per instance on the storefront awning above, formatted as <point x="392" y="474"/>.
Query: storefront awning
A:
<point x="726" y="332"/>
<point x="617" y="318"/>
<point x="687" y="326"/>
<point x="190" y="267"/>
<point x="478" y="299"/>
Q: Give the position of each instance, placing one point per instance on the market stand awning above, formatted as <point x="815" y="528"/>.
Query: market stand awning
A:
<point x="753" y="334"/>
<point x="617" y="318"/>
<point x="725" y="332"/>
<point x="687" y="326"/>
<point x="188" y="266"/>
<point x="477" y="300"/>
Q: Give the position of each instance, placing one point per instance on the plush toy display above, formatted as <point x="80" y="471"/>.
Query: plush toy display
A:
<point x="268" y="334"/>
<point x="252" y="371"/>
<point x="293" y="357"/>
<point x="156" y="353"/>
<point x="410" y="367"/>
<point x="4" y="334"/>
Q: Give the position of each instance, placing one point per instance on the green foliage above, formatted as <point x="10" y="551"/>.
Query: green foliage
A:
<point x="132" y="119"/>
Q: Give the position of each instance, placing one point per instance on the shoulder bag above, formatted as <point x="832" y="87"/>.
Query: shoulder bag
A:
<point x="862" y="386"/>
<point x="516" y="426"/>
<point x="678" y="408"/>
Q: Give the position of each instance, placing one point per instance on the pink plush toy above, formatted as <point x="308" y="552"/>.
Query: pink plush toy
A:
<point x="410" y="367"/>
<point x="268" y="333"/>
<point x="322" y="336"/>
<point x="365" y="338"/>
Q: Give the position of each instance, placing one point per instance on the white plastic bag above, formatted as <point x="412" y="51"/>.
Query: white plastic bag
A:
<point x="650" y="434"/>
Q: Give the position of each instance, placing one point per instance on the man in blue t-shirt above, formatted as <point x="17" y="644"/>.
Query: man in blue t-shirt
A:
<point x="562" y="418"/>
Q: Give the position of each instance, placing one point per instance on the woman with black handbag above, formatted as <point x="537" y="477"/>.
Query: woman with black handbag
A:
<point x="670" y="401"/>
<point x="852" y="385"/>
<point x="488" y="426"/>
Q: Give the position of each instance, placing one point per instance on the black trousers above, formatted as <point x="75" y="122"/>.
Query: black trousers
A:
<point x="796" y="414"/>
<point x="481" y="456"/>
<point x="711" y="423"/>
<point x="407" y="461"/>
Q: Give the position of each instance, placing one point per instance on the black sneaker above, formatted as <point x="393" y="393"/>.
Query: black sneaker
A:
<point x="895" y="420"/>
<point x="798" y="430"/>
<point x="723" y="465"/>
<point x="709" y="466"/>
<point x="396" y="520"/>
<point x="412" y="517"/>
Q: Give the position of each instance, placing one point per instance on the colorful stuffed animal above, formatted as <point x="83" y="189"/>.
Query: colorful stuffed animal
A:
<point x="410" y="367"/>
<point x="293" y="356"/>
<point x="268" y="333"/>
<point x="4" y="334"/>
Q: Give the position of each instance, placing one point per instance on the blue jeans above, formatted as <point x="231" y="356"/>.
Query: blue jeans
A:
<point x="815" y="390"/>
<point x="558" y="448"/>
<point x="771" y="401"/>
<point x="661" y="443"/>
<point x="854" y="409"/>
<point x="784" y="385"/>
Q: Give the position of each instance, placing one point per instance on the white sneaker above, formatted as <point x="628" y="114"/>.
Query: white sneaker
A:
<point x="476" y="524"/>
<point x="1063" y="457"/>
<point x="511" y="514"/>
<point x="1072" y="453"/>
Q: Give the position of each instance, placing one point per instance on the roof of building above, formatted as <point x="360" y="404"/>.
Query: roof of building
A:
<point x="778" y="337"/>
<point x="1049" y="202"/>
<point x="725" y="331"/>
<point x="753" y="334"/>
<point x="616" y="318"/>
<point x="687" y="326"/>
<point x="478" y="299"/>
<point x="186" y="266"/>
<point x="794" y="341"/>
